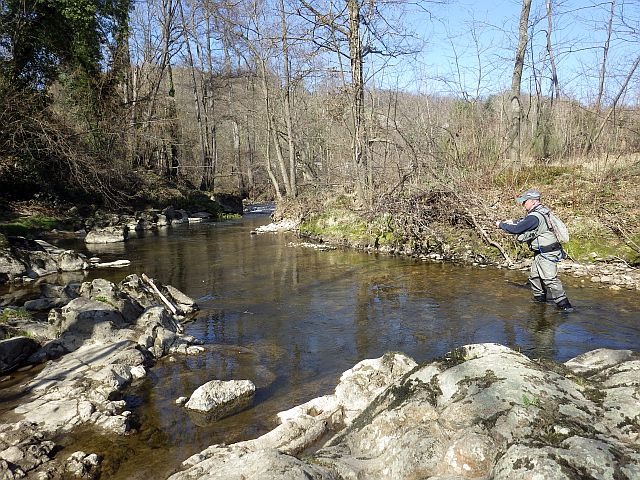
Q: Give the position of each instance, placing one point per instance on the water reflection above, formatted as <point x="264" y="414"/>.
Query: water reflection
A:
<point x="292" y="319"/>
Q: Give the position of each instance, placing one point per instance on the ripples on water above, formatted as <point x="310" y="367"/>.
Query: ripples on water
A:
<point x="292" y="319"/>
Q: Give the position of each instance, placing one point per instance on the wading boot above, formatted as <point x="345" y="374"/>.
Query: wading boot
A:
<point x="564" y="305"/>
<point x="540" y="298"/>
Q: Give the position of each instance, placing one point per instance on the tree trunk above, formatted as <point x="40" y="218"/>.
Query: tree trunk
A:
<point x="516" y="79"/>
<point x="268" y="128"/>
<point x="357" y="102"/>
<point x="287" y="103"/>
<point x="194" y="85"/>
<point x="555" y="87"/>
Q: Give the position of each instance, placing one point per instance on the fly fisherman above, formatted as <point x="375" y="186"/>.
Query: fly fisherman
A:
<point x="535" y="229"/>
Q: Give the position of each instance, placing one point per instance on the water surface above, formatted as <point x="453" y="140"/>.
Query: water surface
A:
<point x="293" y="319"/>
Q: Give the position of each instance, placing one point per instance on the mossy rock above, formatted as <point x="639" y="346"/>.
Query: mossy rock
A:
<point x="26" y="226"/>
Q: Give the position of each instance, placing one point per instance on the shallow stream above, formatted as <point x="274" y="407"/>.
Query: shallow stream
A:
<point x="292" y="319"/>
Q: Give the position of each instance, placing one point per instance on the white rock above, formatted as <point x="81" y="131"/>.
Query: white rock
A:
<point x="222" y="398"/>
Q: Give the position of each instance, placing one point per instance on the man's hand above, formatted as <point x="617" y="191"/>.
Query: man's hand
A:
<point x="498" y="222"/>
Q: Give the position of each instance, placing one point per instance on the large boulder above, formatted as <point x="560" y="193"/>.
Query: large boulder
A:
<point x="79" y="387"/>
<point x="15" y="351"/>
<point x="482" y="411"/>
<point x="220" y="399"/>
<point x="111" y="294"/>
<point x="112" y="234"/>
<point x="229" y="203"/>
<point x="174" y="216"/>
<point x="84" y="319"/>
<point x="52" y="296"/>
<point x="146" y="293"/>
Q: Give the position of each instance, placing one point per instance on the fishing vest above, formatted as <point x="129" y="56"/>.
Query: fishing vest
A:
<point x="541" y="239"/>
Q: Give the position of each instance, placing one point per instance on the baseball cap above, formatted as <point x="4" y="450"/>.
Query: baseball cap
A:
<point x="531" y="194"/>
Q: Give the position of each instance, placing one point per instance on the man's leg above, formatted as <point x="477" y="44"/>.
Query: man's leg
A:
<point x="548" y="271"/>
<point x="535" y="280"/>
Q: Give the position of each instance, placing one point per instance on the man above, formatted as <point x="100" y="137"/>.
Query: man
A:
<point x="535" y="229"/>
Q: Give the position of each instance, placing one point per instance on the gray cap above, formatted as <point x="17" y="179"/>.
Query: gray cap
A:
<point x="531" y="194"/>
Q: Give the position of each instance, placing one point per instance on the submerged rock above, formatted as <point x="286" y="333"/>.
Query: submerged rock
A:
<point x="220" y="399"/>
<point x="482" y="411"/>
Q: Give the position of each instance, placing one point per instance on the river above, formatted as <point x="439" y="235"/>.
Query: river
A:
<point x="292" y="319"/>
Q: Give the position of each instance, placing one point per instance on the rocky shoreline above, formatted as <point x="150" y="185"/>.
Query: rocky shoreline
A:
<point x="483" y="411"/>
<point x="23" y="260"/>
<point x="103" y="338"/>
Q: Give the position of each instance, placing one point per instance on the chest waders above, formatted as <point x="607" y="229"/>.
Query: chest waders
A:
<point x="547" y="252"/>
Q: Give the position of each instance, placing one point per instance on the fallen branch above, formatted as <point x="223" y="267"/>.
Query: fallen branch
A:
<point x="159" y="293"/>
<point x="485" y="236"/>
<point x="488" y="239"/>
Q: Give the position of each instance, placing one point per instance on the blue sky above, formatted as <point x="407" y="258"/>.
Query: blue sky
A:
<point x="469" y="47"/>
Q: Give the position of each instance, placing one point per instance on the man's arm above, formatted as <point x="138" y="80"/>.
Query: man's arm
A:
<point x="529" y="222"/>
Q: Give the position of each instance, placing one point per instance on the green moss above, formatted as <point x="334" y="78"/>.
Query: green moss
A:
<point x="530" y="401"/>
<point x="580" y="249"/>
<point x="339" y="226"/>
<point x="11" y="314"/>
<point x="102" y="299"/>
<point x="24" y="226"/>
<point x="229" y="216"/>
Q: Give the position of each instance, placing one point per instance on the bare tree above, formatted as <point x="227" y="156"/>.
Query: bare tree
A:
<point x="516" y="80"/>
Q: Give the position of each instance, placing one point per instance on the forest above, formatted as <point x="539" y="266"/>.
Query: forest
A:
<point x="112" y="101"/>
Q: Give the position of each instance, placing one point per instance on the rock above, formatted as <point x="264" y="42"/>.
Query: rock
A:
<point x="175" y="217"/>
<point x="229" y="203"/>
<point x="70" y="261"/>
<point x="49" y="351"/>
<point x="10" y="266"/>
<point x="159" y="331"/>
<point x="83" y="319"/>
<point x="81" y="465"/>
<point x="162" y="220"/>
<point x="482" y="411"/>
<point x="15" y="352"/>
<point x="77" y="388"/>
<point x="37" y="258"/>
<point x="599" y="359"/>
<point x="52" y="296"/>
<point x="22" y="448"/>
<point x="107" y="235"/>
<point x="285" y="225"/>
<point x="43" y="304"/>
<point x="184" y="303"/>
<point x="220" y="399"/>
<point x="100" y="328"/>
<point x="111" y="294"/>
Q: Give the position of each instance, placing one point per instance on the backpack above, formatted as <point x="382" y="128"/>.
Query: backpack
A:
<point x="557" y="226"/>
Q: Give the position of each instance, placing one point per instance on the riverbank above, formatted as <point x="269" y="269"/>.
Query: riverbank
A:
<point x="445" y="225"/>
